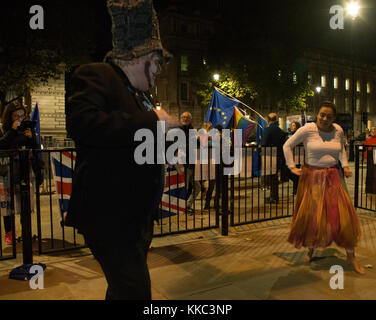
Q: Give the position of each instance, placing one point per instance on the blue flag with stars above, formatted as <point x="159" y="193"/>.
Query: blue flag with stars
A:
<point x="256" y="161"/>
<point x="35" y="117"/>
<point x="220" y="110"/>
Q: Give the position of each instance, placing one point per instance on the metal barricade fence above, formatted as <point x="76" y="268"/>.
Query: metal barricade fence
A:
<point x="365" y="177"/>
<point x="7" y="205"/>
<point x="196" y="197"/>
<point x="264" y="189"/>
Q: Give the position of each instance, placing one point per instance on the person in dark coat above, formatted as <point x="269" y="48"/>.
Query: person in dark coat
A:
<point x="13" y="137"/>
<point x="115" y="199"/>
<point x="274" y="136"/>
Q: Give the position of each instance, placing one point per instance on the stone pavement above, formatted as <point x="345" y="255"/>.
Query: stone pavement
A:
<point x="253" y="262"/>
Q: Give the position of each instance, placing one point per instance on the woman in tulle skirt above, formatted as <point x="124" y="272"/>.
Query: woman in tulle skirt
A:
<point x="323" y="211"/>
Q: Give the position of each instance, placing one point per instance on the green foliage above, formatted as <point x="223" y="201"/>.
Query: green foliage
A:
<point x="297" y="101"/>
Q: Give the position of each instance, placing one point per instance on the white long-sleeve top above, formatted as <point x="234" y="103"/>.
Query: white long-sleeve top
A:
<point x="322" y="149"/>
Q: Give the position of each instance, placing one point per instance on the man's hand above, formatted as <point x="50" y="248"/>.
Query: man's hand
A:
<point x="171" y="122"/>
<point x="296" y="171"/>
<point x="347" y="172"/>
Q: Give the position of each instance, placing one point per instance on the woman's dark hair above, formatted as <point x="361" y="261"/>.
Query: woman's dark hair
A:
<point x="297" y="124"/>
<point x="7" y="115"/>
<point x="328" y="104"/>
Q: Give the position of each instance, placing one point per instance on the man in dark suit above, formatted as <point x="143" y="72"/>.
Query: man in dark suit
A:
<point x="115" y="199"/>
<point x="274" y="136"/>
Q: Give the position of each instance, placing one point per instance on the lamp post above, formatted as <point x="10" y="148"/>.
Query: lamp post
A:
<point x="318" y="90"/>
<point x="216" y="76"/>
<point x="353" y="11"/>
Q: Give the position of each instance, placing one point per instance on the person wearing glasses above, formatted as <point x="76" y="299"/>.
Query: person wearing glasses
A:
<point x="12" y="138"/>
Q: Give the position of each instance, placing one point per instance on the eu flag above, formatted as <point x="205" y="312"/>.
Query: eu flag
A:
<point x="35" y="117"/>
<point x="256" y="163"/>
<point x="221" y="110"/>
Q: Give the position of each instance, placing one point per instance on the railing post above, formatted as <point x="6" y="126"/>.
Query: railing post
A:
<point x="356" y="183"/>
<point x="27" y="249"/>
<point x="224" y="204"/>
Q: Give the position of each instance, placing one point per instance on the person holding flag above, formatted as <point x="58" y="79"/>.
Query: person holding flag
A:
<point x="14" y="135"/>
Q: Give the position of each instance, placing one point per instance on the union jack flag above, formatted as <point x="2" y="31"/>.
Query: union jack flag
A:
<point x="174" y="195"/>
<point x="62" y="168"/>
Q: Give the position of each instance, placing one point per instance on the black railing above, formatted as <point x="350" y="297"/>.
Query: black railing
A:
<point x="229" y="200"/>
<point x="365" y="177"/>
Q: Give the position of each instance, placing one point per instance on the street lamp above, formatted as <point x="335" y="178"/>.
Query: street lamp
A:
<point x="216" y="76"/>
<point x="318" y="90"/>
<point x="353" y="9"/>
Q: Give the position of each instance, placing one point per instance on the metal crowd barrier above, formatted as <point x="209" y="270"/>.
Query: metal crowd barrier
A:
<point x="196" y="197"/>
<point x="365" y="177"/>
<point x="7" y="204"/>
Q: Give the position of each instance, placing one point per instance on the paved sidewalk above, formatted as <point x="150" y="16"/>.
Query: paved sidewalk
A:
<point x="253" y="262"/>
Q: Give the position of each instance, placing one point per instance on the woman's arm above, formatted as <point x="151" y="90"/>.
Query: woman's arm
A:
<point x="290" y="144"/>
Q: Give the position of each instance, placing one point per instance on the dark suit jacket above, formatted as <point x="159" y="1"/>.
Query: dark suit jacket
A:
<point x="273" y="136"/>
<point x="276" y="137"/>
<point x="111" y="193"/>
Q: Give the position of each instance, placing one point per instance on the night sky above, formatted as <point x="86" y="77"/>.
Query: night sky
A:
<point x="301" y="23"/>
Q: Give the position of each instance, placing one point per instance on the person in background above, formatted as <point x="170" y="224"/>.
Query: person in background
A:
<point x="274" y="136"/>
<point x="295" y="125"/>
<point x="369" y="156"/>
<point x="193" y="186"/>
<point x="323" y="210"/>
<point x="12" y="138"/>
<point x="212" y="183"/>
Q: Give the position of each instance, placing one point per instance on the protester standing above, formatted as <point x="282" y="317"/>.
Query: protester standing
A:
<point x="274" y="136"/>
<point x="371" y="162"/>
<point x="13" y="137"/>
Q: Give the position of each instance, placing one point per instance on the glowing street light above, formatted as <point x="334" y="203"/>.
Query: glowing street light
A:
<point x="216" y="76"/>
<point x="353" y="9"/>
<point x="318" y="89"/>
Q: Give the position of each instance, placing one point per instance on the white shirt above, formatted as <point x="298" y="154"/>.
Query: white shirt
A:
<point x="322" y="149"/>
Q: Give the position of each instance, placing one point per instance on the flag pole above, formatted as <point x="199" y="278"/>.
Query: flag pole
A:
<point x="221" y="91"/>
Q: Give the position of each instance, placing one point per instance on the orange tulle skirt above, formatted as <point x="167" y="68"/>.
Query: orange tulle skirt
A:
<point x="323" y="211"/>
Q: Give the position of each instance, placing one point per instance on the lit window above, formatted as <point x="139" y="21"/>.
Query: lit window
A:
<point x="184" y="63"/>
<point x="204" y="61"/>
<point x="368" y="87"/>
<point x="323" y="81"/>
<point x="357" y="105"/>
<point x="335" y="100"/>
<point x="347" y="84"/>
<point x="294" y="78"/>
<point x="335" y="82"/>
<point x="279" y="74"/>
<point x="358" y="86"/>
<point x="309" y="78"/>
